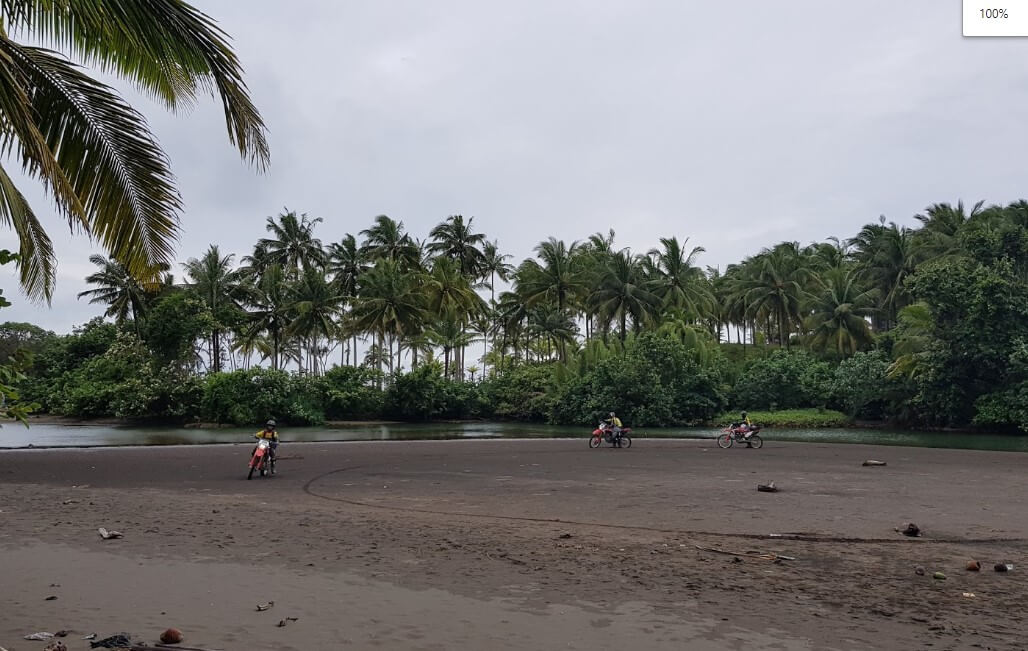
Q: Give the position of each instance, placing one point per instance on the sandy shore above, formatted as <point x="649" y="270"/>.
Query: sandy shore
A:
<point x="540" y="544"/>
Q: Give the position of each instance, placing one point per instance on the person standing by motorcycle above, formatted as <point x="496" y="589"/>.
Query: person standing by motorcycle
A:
<point x="615" y="426"/>
<point x="271" y="434"/>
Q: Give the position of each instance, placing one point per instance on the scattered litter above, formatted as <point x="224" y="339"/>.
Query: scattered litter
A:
<point x="107" y="535"/>
<point x="171" y="636"/>
<point x="919" y="570"/>
<point x="52" y="597"/>
<point x="974" y="566"/>
<point x="262" y="607"/>
<point x="285" y="621"/>
<point x="1003" y="567"/>
<point x="872" y="462"/>
<point x="767" y="488"/>
<point x="969" y="595"/>
<point x="118" y="641"/>
<point x="939" y="576"/>
<point x="39" y="637"/>
<point x="910" y="529"/>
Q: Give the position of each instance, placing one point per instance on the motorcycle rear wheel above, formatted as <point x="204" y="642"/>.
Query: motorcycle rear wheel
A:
<point x="725" y="441"/>
<point x="594" y="441"/>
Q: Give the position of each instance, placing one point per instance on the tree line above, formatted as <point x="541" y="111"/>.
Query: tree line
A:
<point x="927" y="322"/>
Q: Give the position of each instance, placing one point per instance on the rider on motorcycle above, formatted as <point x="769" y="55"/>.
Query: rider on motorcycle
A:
<point x="746" y="426"/>
<point x="269" y="432"/>
<point x="614" y="425"/>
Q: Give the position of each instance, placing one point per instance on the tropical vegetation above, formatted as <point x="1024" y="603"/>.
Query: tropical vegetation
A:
<point x="924" y="326"/>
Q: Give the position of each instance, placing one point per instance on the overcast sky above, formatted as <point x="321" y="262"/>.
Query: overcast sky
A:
<point x="736" y="125"/>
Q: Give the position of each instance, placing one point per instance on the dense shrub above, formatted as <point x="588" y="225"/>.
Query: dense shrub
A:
<point x="352" y="393"/>
<point x="525" y="392"/>
<point x="252" y="396"/>
<point x="784" y="380"/>
<point x="656" y="382"/>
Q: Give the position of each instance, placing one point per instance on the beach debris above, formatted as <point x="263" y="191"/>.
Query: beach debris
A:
<point x="108" y="535"/>
<point x="974" y="566"/>
<point x="969" y="595"/>
<point x="62" y="633"/>
<point x="39" y="637"/>
<point x="767" y="488"/>
<point x="171" y="636"/>
<point x="919" y="570"/>
<point x="262" y="607"/>
<point x="939" y="576"/>
<point x="1003" y="567"/>
<point x="872" y="462"/>
<point x="284" y="622"/>
<point x="91" y="636"/>
<point x="564" y="536"/>
<point x="119" y="641"/>
<point x="56" y="645"/>
<point x="910" y="529"/>
<point x="52" y="597"/>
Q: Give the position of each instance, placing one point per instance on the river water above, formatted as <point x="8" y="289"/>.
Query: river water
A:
<point x="48" y="435"/>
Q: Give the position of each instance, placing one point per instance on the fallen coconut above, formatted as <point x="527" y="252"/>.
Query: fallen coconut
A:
<point x="171" y="636"/>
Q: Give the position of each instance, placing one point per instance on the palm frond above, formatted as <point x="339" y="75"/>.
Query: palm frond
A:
<point x="108" y="156"/>
<point x="36" y="263"/>
<point x="168" y="48"/>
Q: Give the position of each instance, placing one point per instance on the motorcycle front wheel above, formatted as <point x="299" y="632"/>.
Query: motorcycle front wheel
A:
<point x="250" y="474"/>
<point x="755" y="441"/>
<point x="594" y="441"/>
<point x="725" y="441"/>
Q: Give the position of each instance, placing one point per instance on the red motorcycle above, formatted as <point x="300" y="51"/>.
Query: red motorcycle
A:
<point x="262" y="461"/>
<point x="749" y="436"/>
<point x="605" y="432"/>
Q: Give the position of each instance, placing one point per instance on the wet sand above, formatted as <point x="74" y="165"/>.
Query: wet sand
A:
<point x="539" y="544"/>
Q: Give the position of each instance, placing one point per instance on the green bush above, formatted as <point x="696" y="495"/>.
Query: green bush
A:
<point x="860" y="386"/>
<point x="525" y="392"/>
<point x="352" y="393"/>
<point x="784" y="380"/>
<point x="250" y="397"/>
<point x="656" y="382"/>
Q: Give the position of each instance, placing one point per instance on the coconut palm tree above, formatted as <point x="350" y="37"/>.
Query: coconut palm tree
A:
<point x="772" y="283"/>
<point x="389" y="304"/>
<point x="886" y="255"/>
<point x="387" y="241"/>
<point x="316" y="303"/>
<point x="495" y="265"/>
<point x="623" y="293"/>
<point x="92" y="151"/>
<point x="269" y="315"/>
<point x="346" y="264"/>
<point x="455" y="239"/>
<point x="941" y="225"/>
<point x="213" y="280"/>
<point x="292" y="243"/>
<point x="558" y="278"/>
<point x="678" y="283"/>
<point x="118" y="289"/>
<point x="840" y="311"/>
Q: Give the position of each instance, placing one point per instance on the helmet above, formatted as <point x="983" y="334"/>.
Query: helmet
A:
<point x="612" y="414"/>
<point x="270" y="423"/>
<point x="744" y="414"/>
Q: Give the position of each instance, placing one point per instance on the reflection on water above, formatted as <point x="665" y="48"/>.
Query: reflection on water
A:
<point x="40" y="435"/>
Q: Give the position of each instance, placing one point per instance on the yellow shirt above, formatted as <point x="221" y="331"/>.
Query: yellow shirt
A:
<point x="616" y="422"/>
<point x="265" y="434"/>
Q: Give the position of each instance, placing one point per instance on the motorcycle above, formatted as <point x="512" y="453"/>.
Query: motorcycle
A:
<point x="606" y="433"/>
<point x="262" y="461"/>
<point x="749" y="436"/>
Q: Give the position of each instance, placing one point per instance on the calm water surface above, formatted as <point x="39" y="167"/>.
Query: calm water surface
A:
<point x="39" y="435"/>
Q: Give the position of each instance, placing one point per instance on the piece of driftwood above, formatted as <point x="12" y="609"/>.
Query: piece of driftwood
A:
<point x="872" y="462"/>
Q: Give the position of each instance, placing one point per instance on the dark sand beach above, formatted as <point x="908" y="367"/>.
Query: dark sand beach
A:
<point x="539" y="544"/>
